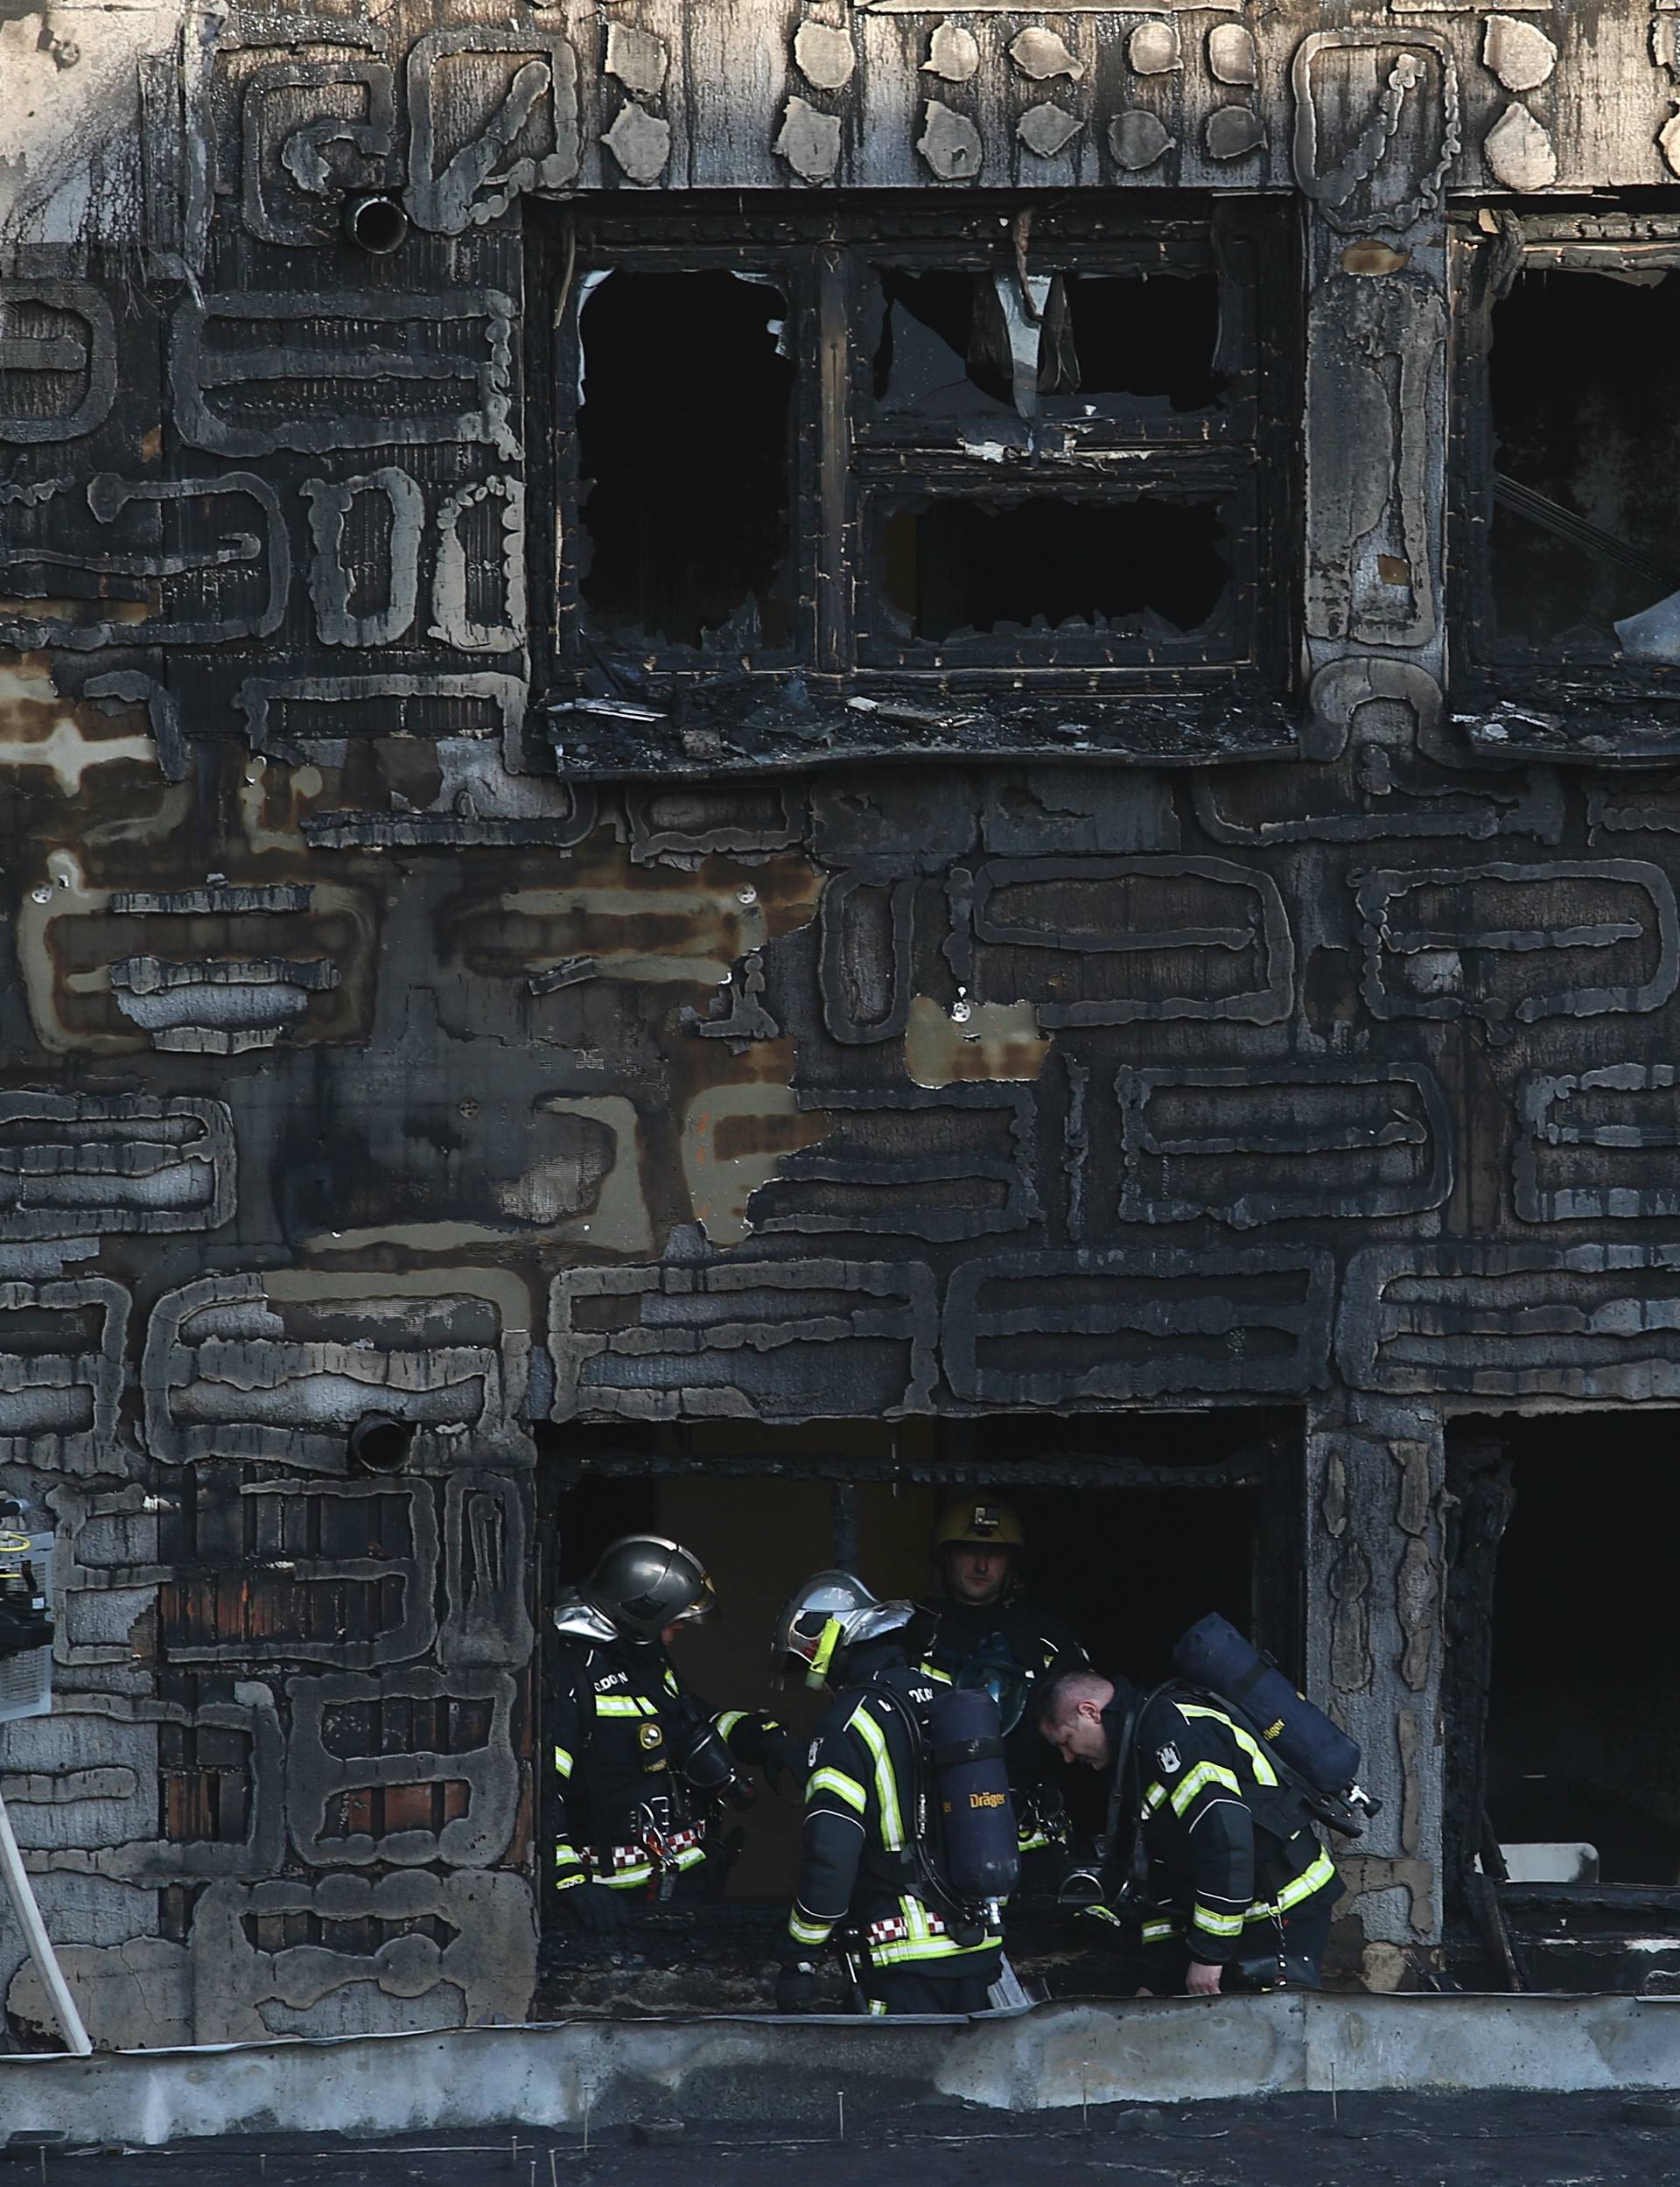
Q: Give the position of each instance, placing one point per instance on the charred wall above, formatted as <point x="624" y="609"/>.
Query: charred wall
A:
<point x="374" y="1049"/>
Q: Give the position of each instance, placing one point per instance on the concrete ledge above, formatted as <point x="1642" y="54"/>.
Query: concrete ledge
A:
<point x="1156" y="2050"/>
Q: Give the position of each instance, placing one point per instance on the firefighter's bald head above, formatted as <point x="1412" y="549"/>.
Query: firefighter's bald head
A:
<point x="1070" y="1716"/>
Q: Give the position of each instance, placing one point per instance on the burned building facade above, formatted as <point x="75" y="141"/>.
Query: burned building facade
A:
<point x="755" y="756"/>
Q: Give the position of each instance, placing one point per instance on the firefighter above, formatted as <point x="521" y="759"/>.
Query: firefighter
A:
<point x="870" y="1876"/>
<point x="1238" y="1891"/>
<point x="642" y="1767"/>
<point x="980" y="1624"/>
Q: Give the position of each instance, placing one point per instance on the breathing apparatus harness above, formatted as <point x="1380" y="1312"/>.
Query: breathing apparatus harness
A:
<point x="967" y="1915"/>
<point x="1279" y="1810"/>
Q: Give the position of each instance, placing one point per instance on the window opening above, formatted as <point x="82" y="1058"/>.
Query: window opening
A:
<point x="953" y="569"/>
<point x="1152" y="340"/>
<point x="801" y="464"/>
<point x="947" y="343"/>
<point x="1587" y="446"/>
<point x="931" y="354"/>
<point x="1135" y="1525"/>
<point x="1583" y="1746"/>
<point x="684" y="454"/>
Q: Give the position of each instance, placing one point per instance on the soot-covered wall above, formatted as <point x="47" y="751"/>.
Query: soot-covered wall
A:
<point x="361" y="1055"/>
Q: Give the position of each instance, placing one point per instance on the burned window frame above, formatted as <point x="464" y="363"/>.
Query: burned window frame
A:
<point x="1245" y="453"/>
<point x="1512" y="702"/>
<point x="1211" y="453"/>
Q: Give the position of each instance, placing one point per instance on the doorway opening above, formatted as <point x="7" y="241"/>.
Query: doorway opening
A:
<point x="1564" y="1749"/>
<point x="1135" y="1525"/>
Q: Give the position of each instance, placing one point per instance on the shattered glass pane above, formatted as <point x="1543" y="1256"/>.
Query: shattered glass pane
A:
<point x="1584" y="377"/>
<point x="967" y="566"/>
<point x="935" y="351"/>
<point x="1105" y="343"/>
<point x="684" y="457"/>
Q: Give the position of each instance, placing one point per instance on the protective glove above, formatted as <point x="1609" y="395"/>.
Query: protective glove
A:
<point x="594" y="1911"/>
<point x="761" y="1740"/>
<point x="796" y="1987"/>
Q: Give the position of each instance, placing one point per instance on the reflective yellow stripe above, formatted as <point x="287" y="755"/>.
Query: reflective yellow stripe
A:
<point x="922" y="1942"/>
<point x="1306" y="1882"/>
<point x="566" y="1882"/>
<point x="624" y="1705"/>
<point x="671" y="1680"/>
<point x="1158" y="1931"/>
<point x="1153" y="1797"/>
<point x="1204" y="1773"/>
<point x="844" y="1787"/>
<point x="624" y="1878"/>
<point x="1217" y="1924"/>
<point x="726" y="1723"/>
<point x="804" y="1931"/>
<point x="1102" y="1913"/>
<point x="822" y="1655"/>
<point x="1264" y="1773"/>
<point x="565" y="1857"/>
<point x="563" y="1762"/>
<point x="906" y="1952"/>
<point x="944" y="1678"/>
<point x="1035" y="1843"/>
<point x="886" y="1790"/>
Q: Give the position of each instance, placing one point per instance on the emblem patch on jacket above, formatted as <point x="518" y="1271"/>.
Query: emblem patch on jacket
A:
<point x="650" y="1734"/>
<point x="1168" y="1757"/>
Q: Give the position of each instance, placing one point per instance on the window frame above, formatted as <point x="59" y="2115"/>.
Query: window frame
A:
<point x="822" y="256"/>
<point x="1518" y="702"/>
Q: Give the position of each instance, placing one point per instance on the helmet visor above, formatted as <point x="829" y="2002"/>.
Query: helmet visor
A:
<point x="704" y="1606"/>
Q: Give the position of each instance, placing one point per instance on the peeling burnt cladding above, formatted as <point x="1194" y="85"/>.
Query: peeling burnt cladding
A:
<point x="886" y="485"/>
<point x="413" y="1152"/>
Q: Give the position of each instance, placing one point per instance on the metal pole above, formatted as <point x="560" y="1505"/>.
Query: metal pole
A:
<point x="40" y="1945"/>
<point x="845" y="1526"/>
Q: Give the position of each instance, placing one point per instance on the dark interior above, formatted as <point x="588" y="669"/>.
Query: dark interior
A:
<point x="962" y="566"/>
<point x="684" y="458"/>
<point x="1129" y="1566"/>
<point x="1583" y="1740"/>
<point x="1585" y="382"/>
<point x="942" y="345"/>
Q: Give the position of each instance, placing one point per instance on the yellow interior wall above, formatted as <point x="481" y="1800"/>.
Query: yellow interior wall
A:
<point x="759" y="1538"/>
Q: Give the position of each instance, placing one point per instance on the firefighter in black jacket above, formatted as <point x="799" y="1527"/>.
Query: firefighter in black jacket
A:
<point x="869" y="1865"/>
<point x="980" y="1620"/>
<point x="1240" y="1890"/>
<point x="641" y="1766"/>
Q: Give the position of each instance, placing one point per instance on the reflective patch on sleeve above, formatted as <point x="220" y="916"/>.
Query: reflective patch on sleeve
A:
<point x="842" y="1787"/>
<point x="1195" y="1781"/>
<point x="804" y="1930"/>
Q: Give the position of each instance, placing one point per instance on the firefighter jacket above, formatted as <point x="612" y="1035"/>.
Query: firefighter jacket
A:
<point x="1227" y="1841"/>
<point x="870" y="1837"/>
<point x="620" y="1716"/>
<point x="1038" y="1642"/>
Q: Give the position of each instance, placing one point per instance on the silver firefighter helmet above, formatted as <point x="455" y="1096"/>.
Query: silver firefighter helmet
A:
<point x="824" y="1620"/>
<point x="641" y="1585"/>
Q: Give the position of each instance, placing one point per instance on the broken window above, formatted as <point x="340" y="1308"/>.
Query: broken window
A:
<point x="1586" y="426"/>
<point x="799" y="460"/>
<point x="684" y="455"/>
<point x="1582" y="439"/>
<point x="957" y="568"/>
<point x="953" y="345"/>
